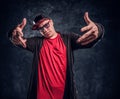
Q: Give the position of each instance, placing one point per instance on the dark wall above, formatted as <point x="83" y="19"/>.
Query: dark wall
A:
<point x="96" y="69"/>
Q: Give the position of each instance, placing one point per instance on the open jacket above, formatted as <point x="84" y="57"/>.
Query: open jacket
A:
<point x="34" y="45"/>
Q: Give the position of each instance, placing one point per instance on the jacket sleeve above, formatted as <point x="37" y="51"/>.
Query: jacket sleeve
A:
<point x="76" y="45"/>
<point x="31" y="43"/>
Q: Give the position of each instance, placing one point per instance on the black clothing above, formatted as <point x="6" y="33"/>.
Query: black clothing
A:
<point x="34" y="45"/>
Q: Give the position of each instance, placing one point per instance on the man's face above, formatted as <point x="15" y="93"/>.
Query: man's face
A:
<point x="46" y="28"/>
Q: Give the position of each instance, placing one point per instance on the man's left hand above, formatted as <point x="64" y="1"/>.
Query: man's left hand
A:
<point x="91" y="31"/>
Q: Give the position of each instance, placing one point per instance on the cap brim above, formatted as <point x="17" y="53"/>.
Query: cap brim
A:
<point x="34" y="27"/>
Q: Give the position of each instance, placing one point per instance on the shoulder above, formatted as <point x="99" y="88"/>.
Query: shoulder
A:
<point x="69" y="35"/>
<point x="35" y="38"/>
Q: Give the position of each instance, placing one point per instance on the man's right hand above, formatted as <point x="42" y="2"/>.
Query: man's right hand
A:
<point x="17" y="34"/>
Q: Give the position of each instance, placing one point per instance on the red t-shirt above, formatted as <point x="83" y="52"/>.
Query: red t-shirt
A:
<point x="52" y="69"/>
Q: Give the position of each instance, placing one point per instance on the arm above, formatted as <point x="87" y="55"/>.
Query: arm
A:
<point x="92" y="34"/>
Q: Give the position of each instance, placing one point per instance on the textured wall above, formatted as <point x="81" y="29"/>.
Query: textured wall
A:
<point x="96" y="69"/>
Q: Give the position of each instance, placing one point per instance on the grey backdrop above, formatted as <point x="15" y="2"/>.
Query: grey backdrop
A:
<point x="96" y="69"/>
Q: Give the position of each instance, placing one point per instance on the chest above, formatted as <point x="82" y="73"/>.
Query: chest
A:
<point x="53" y="46"/>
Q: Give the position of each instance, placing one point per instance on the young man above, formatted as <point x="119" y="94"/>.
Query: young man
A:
<point x="52" y="72"/>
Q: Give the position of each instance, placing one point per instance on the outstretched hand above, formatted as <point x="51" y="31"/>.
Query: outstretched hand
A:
<point x="17" y="34"/>
<point x="91" y="31"/>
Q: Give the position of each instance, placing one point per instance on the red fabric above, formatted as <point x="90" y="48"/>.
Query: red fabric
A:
<point x="52" y="69"/>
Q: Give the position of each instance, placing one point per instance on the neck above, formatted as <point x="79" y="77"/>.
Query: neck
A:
<point x="54" y="36"/>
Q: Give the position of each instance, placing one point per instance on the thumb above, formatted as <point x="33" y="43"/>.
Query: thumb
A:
<point x="22" y="25"/>
<point x="86" y="17"/>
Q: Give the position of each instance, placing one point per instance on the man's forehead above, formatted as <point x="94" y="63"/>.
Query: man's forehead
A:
<point x="43" y="21"/>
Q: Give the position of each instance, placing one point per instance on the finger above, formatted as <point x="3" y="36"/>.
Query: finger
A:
<point x="86" y="28"/>
<point x="84" y="36"/>
<point x="96" y="34"/>
<point x="14" y="33"/>
<point x="87" y="42"/>
<point x="16" y="43"/>
<point x="16" y="40"/>
<point x="88" y="38"/>
<point x="22" y="41"/>
<point x="22" y="25"/>
<point x="86" y="17"/>
<point x="20" y="33"/>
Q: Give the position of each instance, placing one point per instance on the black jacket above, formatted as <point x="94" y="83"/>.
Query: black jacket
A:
<point x="34" y="45"/>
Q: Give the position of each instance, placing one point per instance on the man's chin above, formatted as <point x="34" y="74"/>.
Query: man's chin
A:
<point x="48" y="36"/>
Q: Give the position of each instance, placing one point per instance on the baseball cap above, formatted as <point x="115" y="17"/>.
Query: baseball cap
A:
<point x="37" y="19"/>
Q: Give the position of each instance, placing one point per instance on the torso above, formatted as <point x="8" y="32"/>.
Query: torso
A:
<point x="52" y="69"/>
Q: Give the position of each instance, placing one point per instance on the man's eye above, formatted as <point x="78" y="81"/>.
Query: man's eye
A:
<point x="47" y="25"/>
<point x="39" y="28"/>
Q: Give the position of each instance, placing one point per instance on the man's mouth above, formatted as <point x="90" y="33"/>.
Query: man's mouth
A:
<point x="47" y="33"/>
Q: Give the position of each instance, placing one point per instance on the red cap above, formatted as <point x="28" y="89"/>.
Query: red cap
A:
<point x="38" y="19"/>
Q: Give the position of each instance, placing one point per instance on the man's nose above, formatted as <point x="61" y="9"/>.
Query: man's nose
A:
<point x="44" y="29"/>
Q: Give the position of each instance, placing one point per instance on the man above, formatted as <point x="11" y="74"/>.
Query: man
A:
<point x="52" y="73"/>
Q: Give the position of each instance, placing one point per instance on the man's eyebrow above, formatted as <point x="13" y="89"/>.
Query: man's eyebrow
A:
<point x="45" y="24"/>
